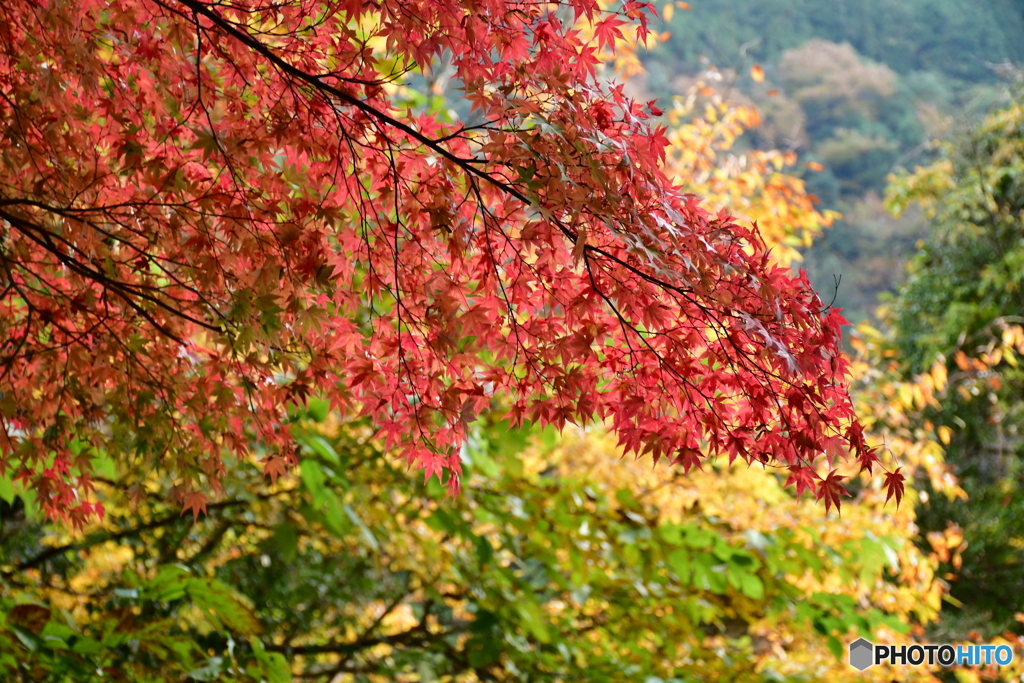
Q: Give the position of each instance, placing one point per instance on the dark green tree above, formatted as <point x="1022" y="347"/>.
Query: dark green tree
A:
<point x="963" y="304"/>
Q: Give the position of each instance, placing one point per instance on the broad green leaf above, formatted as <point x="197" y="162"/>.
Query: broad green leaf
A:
<point x="534" y="620"/>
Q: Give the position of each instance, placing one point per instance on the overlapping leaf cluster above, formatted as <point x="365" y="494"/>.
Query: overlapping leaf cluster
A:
<point x="212" y="211"/>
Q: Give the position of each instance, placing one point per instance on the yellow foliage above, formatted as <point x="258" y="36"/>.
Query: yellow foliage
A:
<point x="702" y="131"/>
<point x="749" y="500"/>
<point x="751" y="185"/>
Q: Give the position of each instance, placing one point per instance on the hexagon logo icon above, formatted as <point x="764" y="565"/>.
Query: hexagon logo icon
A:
<point x="861" y="654"/>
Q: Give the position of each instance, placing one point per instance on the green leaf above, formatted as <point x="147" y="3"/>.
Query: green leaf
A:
<point x="482" y="651"/>
<point x="441" y="521"/>
<point x="534" y="620"/>
<point x="671" y="533"/>
<point x="835" y="646"/>
<point x="169" y="584"/>
<point x="57" y="630"/>
<point x="286" y="541"/>
<point x="679" y="561"/>
<point x="334" y="517"/>
<point x="104" y="465"/>
<point x="6" y="489"/>
<point x="484" y="550"/>
<point x="425" y="672"/>
<point x="225" y="604"/>
<point x="87" y="646"/>
<point x="368" y="536"/>
<point x="695" y="537"/>
<point x="707" y="573"/>
<point x="484" y="464"/>
<point x="322" y="447"/>
<point x="751" y="586"/>
<point x="210" y="672"/>
<point x="318" y="409"/>
<point x="273" y="664"/>
<point x="313" y="478"/>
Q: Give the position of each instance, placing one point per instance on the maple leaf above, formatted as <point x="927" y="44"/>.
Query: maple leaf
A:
<point x="194" y="502"/>
<point x="275" y="467"/>
<point x="608" y="30"/>
<point x="867" y="459"/>
<point x="894" y="485"/>
<point x="804" y="478"/>
<point x="688" y="458"/>
<point x="591" y="287"/>
<point x="830" y="489"/>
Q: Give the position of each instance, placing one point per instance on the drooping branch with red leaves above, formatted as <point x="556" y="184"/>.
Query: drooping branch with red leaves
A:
<point x="211" y="211"/>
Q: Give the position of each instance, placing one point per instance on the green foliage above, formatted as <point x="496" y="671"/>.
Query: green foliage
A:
<point x="968" y="273"/>
<point x="352" y="567"/>
<point x="862" y="88"/>
<point x="869" y="247"/>
<point x="961" y="306"/>
<point x="949" y="37"/>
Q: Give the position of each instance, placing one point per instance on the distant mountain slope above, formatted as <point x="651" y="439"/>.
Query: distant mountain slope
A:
<point x="953" y="37"/>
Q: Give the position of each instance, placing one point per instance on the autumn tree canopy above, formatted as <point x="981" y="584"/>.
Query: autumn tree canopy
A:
<point x="210" y="212"/>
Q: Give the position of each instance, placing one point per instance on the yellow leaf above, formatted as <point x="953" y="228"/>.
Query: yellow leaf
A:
<point x="757" y="73"/>
<point x="945" y="434"/>
<point x="668" y="11"/>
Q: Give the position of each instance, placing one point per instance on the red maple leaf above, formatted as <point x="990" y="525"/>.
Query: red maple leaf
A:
<point x="803" y="478"/>
<point x="274" y="467"/>
<point x="895" y="486"/>
<point x="318" y="238"/>
<point x="831" y="489"/>
<point x="867" y="459"/>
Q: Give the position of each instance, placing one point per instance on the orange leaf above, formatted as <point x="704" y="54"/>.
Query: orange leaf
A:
<point x="773" y="92"/>
<point x="194" y="502"/>
<point x="757" y="73"/>
<point x="274" y="467"/>
<point x="815" y="166"/>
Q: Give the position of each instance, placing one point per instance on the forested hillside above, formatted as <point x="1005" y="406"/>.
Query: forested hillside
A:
<point x="858" y="90"/>
<point x="955" y="39"/>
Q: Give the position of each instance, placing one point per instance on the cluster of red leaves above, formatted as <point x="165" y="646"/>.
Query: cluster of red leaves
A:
<point x="210" y="211"/>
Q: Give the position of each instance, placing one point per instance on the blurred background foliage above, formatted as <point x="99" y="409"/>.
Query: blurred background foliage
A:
<point x="859" y="89"/>
<point x="866" y="136"/>
<point x="962" y="306"/>
<point x="557" y="562"/>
